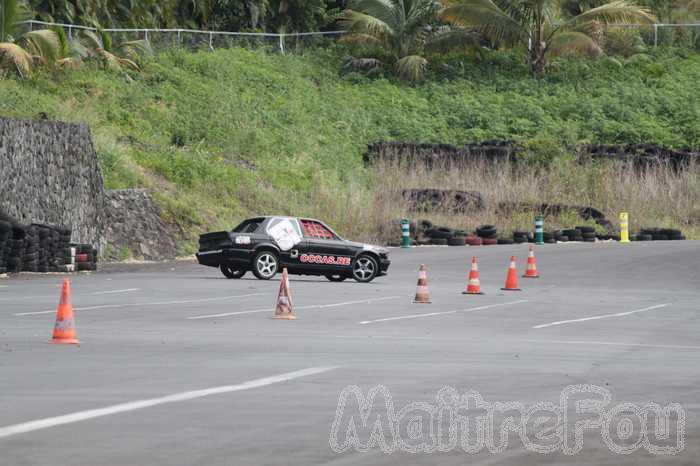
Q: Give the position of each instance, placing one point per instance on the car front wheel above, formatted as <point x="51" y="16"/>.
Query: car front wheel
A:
<point x="265" y="265"/>
<point x="364" y="269"/>
<point x="230" y="272"/>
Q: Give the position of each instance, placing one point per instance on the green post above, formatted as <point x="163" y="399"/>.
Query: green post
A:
<point x="539" y="229"/>
<point x="405" y="233"/>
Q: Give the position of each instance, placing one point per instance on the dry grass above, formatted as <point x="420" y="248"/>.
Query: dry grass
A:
<point x="655" y="197"/>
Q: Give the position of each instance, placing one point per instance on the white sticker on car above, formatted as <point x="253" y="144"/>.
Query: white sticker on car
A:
<point x="284" y="234"/>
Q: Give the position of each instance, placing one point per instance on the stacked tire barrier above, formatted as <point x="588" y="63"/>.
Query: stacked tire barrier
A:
<point x="85" y="257"/>
<point x="40" y="248"/>
<point x="424" y="232"/>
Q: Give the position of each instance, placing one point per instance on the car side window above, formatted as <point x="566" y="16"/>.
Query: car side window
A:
<point x="315" y="230"/>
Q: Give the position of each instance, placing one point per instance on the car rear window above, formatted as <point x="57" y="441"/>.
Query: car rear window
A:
<point x="249" y="226"/>
<point x="315" y="230"/>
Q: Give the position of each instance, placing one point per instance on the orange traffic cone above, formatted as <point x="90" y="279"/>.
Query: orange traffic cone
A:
<point x="531" y="271"/>
<point x="473" y="285"/>
<point x="284" y="309"/>
<point x="512" y="278"/>
<point x="64" y="329"/>
<point x="422" y="293"/>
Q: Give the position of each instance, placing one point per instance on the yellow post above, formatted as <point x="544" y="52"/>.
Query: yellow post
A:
<point x="624" y="228"/>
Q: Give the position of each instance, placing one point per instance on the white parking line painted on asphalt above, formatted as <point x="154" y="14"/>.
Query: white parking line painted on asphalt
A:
<point x="431" y="314"/>
<point x="127" y="290"/>
<point x="157" y="303"/>
<point x="603" y="316"/>
<point x="309" y="307"/>
<point x="96" y="293"/>
<point x="141" y="404"/>
<point x="614" y="343"/>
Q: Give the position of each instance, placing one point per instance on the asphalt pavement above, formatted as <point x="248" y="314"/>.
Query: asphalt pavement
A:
<point x="179" y="366"/>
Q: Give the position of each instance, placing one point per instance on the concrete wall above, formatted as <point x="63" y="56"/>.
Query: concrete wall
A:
<point x="49" y="174"/>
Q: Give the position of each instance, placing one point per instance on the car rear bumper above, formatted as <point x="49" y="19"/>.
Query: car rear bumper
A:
<point x="235" y="257"/>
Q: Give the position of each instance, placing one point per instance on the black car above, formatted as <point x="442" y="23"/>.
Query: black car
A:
<point x="265" y="245"/>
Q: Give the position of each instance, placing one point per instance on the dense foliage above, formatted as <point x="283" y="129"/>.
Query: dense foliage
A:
<point x="220" y="135"/>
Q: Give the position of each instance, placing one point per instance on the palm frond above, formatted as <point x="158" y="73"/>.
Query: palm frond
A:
<point x="411" y="68"/>
<point x="92" y="40"/>
<point x="11" y="12"/>
<point x="485" y="17"/>
<point x="72" y="63"/>
<point x="615" y="12"/>
<point x="361" y="39"/>
<point x="14" y="56"/>
<point x="383" y="10"/>
<point x="573" y="43"/>
<point x="355" y="21"/>
<point x="453" y="40"/>
<point x="44" y="45"/>
<point x="135" y="48"/>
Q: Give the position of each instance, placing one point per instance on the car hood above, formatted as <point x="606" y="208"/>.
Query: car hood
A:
<point x="368" y="247"/>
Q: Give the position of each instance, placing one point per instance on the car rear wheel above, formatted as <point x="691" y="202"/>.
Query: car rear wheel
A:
<point x="230" y="272"/>
<point x="364" y="269"/>
<point x="265" y="265"/>
<point x="336" y="277"/>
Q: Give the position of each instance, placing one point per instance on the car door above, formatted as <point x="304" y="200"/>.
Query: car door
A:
<point x="285" y="232"/>
<point x="322" y="248"/>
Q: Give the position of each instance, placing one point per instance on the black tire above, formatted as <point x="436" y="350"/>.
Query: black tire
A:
<point x="586" y="229"/>
<point x="563" y="239"/>
<point x="83" y="267"/>
<point x="670" y="232"/>
<point x="589" y="240"/>
<point x="425" y="224"/>
<point x="505" y="241"/>
<point x="457" y="241"/>
<point x="365" y="268"/>
<point x="487" y="231"/>
<point x="551" y="241"/>
<point x="572" y="233"/>
<point x="231" y="273"/>
<point x="588" y="234"/>
<point x="676" y="237"/>
<point x="265" y="265"/>
<point x="578" y="238"/>
<point x="659" y="237"/>
<point x="336" y="277"/>
<point x="443" y="233"/>
<point x="438" y="241"/>
<point x="547" y="235"/>
<point x="5" y="226"/>
<point x="644" y="237"/>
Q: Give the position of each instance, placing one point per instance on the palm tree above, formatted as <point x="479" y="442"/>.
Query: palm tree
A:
<point x="22" y="52"/>
<point x="539" y="24"/>
<point x="114" y="58"/>
<point x="399" y="33"/>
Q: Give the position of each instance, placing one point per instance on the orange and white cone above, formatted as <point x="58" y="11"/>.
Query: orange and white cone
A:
<point x="531" y="271"/>
<point x="473" y="285"/>
<point x="422" y="293"/>
<point x="512" y="277"/>
<point x="283" y="308"/>
<point x="64" y="329"/>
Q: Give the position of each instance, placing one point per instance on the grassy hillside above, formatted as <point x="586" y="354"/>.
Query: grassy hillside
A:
<point x="220" y="135"/>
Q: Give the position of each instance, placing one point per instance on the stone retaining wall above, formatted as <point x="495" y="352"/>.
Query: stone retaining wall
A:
<point x="49" y="174"/>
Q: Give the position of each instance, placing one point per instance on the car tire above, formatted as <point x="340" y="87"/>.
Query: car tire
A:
<point x="336" y="277"/>
<point x="231" y="273"/>
<point x="265" y="265"/>
<point x="365" y="268"/>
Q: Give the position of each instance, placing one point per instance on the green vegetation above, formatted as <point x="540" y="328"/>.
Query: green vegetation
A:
<point x="542" y="26"/>
<point x="221" y="135"/>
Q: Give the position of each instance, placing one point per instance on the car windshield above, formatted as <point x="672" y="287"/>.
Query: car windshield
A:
<point x="249" y="226"/>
